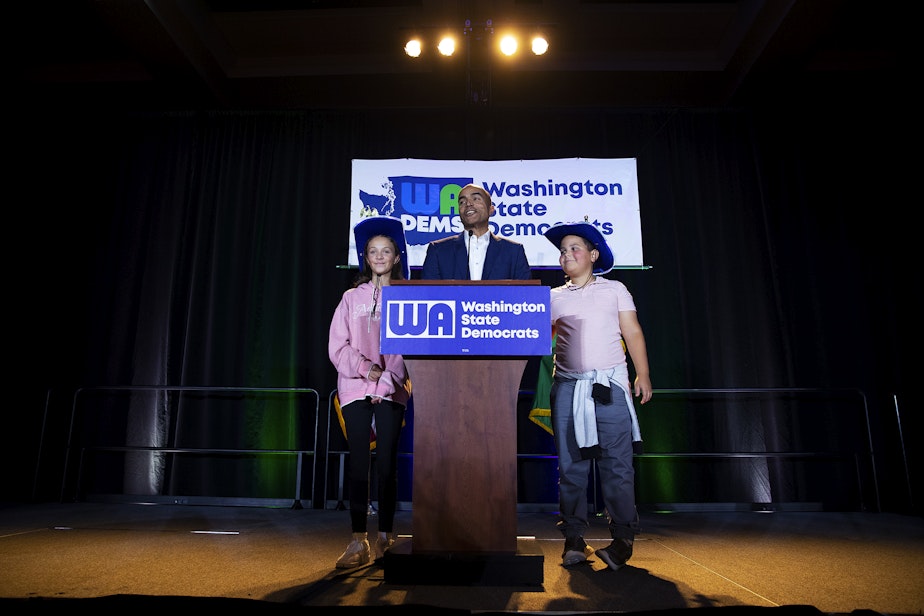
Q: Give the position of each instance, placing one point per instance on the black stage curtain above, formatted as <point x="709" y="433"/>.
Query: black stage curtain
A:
<point x="205" y="249"/>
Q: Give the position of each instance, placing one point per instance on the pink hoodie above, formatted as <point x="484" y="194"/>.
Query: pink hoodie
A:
<point x="353" y="347"/>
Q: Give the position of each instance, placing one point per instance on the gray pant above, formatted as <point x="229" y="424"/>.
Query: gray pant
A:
<point x="617" y="473"/>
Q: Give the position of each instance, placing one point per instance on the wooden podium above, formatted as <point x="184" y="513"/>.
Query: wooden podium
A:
<point x="464" y="498"/>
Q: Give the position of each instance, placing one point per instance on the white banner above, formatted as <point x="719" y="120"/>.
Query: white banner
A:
<point x="528" y="195"/>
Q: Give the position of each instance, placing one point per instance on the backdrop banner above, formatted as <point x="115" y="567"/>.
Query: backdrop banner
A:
<point x="529" y="196"/>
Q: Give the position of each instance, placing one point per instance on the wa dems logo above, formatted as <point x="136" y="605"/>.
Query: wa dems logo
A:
<point x="466" y="319"/>
<point x="426" y="205"/>
<point x="432" y="319"/>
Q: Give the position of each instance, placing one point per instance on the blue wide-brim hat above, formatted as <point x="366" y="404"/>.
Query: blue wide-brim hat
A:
<point x="368" y="228"/>
<point x="557" y="232"/>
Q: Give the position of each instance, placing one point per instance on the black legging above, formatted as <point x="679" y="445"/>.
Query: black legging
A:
<point x="357" y="417"/>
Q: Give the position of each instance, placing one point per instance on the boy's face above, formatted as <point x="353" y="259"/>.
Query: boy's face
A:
<point x="576" y="258"/>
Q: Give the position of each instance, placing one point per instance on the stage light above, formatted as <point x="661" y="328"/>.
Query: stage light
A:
<point x="413" y="48"/>
<point x="508" y="42"/>
<point x="508" y="45"/>
<point x="447" y="46"/>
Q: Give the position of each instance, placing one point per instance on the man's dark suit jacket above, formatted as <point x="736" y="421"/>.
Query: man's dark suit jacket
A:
<point x="447" y="259"/>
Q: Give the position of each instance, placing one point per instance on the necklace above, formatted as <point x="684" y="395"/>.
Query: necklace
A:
<point x="375" y="303"/>
<point x="586" y="282"/>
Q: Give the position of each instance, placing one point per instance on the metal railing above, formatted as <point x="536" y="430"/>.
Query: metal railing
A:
<point x="173" y="449"/>
<point x="325" y="453"/>
<point x="859" y="394"/>
<point x="855" y="455"/>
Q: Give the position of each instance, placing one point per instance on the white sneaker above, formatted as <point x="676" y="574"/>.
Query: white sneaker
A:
<point x="382" y="543"/>
<point x="356" y="554"/>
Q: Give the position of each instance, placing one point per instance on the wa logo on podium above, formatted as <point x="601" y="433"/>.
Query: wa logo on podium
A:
<point x="466" y="320"/>
<point x="420" y="319"/>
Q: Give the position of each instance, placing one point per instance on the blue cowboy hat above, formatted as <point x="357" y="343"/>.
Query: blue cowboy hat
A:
<point x="558" y="231"/>
<point x="381" y="225"/>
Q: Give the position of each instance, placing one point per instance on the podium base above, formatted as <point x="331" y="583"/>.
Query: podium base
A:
<point x="524" y="568"/>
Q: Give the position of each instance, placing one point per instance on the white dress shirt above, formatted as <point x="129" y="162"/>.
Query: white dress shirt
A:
<point x="477" y="250"/>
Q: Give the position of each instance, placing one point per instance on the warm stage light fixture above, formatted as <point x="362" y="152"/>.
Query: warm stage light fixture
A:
<point x="413" y="48"/>
<point x="447" y="46"/>
<point x="508" y="44"/>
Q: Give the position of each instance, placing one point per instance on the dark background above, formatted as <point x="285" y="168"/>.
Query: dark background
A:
<point x="180" y="176"/>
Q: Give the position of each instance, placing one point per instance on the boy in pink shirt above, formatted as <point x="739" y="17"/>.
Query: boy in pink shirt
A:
<point x="594" y="321"/>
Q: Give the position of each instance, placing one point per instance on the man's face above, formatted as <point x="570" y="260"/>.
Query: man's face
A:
<point x="473" y="207"/>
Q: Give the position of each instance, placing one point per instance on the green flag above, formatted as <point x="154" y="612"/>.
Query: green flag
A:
<point x="541" y="413"/>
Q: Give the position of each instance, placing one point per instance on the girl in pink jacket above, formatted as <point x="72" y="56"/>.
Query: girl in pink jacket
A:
<point x="373" y="389"/>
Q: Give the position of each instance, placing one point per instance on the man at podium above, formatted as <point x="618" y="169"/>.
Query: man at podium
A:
<point x="476" y="253"/>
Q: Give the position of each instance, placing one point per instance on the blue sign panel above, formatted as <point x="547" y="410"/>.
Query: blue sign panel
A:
<point x="466" y="320"/>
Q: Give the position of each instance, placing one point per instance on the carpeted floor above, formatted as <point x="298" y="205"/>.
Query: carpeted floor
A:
<point x="113" y="556"/>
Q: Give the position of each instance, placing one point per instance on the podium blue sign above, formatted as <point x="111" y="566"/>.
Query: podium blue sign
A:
<point x="465" y="320"/>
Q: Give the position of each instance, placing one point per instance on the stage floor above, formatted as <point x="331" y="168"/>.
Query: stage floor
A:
<point x="55" y="555"/>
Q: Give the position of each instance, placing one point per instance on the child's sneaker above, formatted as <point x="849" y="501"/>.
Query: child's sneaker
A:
<point x="616" y="553"/>
<point x="382" y="543"/>
<point x="576" y="551"/>
<point x="356" y="554"/>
